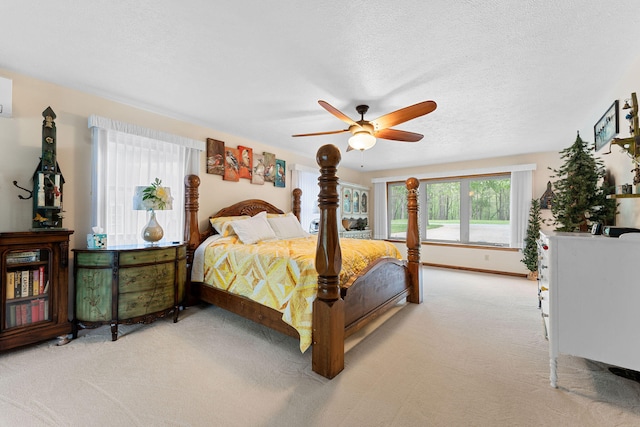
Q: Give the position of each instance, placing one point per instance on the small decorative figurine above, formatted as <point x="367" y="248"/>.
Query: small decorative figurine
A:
<point x="47" y="180"/>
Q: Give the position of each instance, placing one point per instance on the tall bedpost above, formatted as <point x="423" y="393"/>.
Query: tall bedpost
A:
<point x="413" y="242"/>
<point x="191" y="229"/>
<point x="328" y="307"/>
<point x="297" y="196"/>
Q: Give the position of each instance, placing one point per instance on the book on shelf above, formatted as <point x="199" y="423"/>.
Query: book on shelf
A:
<point x="36" y="282"/>
<point x="25" y="283"/>
<point x="35" y="311"/>
<point x="19" y="257"/>
<point x="23" y="314"/>
<point x="41" y="282"/>
<point x="43" y="309"/>
<point x="17" y="284"/>
<point x="11" y="291"/>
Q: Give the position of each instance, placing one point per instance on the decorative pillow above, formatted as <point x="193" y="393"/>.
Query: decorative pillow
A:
<point x="254" y="229"/>
<point x="222" y="224"/>
<point x="287" y="226"/>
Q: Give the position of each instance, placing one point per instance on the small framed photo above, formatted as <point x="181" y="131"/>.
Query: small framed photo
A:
<point x="607" y="127"/>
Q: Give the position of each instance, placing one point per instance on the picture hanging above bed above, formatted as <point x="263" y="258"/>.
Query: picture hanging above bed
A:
<point x="231" y="165"/>
<point x="257" y="174"/>
<point x="215" y="157"/>
<point x="246" y="161"/>
<point x="269" y="166"/>
<point x="281" y="175"/>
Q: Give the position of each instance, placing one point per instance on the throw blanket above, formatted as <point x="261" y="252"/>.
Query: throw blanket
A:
<point x="281" y="274"/>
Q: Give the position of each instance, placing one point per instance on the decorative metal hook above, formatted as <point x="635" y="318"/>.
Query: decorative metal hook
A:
<point x="21" y="197"/>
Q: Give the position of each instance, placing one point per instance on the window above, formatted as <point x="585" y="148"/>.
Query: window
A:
<point x="306" y="179"/>
<point x="126" y="156"/>
<point x="472" y="210"/>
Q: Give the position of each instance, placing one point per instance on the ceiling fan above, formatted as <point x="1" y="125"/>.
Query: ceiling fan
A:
<point x="364" y="132"/>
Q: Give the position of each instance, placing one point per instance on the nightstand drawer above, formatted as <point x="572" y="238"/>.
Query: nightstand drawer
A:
<point x="151" y="256"/>
<point x="147" y="278"/>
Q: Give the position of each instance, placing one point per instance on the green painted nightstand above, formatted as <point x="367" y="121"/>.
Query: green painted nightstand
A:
<point x="128" y="284"/>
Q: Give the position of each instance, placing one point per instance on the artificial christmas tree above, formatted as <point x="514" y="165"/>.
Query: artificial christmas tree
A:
<point x="530" y="250"/>
<point x="581" y="192"/>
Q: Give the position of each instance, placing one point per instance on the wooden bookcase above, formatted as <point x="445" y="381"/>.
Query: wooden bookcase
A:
<point x="34" y="286"/>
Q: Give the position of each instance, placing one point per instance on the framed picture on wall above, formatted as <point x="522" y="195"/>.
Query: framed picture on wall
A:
<point x="607" y="127"/>
<point x="281" y="173"/>
<point x="215" y="156"/>
<point x="257" y="174"/>
<point x="231" y="166"/>
<point x="245" y="161"/>
<point x="269" y="166"/>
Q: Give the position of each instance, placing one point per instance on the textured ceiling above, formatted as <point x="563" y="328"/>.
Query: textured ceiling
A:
<point x="509" y="77"/>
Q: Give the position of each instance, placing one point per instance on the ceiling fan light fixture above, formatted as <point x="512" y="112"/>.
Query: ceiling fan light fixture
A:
<point x="362" y="140"/>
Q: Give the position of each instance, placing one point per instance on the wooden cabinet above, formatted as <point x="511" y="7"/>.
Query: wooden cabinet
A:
<point x="354" y="212"/>
<point x="128" y="284"/>
<point x="589" y="294"/>
<point x="35" y="290"/>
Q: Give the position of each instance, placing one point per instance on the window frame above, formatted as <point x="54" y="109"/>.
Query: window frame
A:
<point x="464" y="202"/>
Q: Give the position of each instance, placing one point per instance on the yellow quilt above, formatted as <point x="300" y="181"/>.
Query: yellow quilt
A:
<point x="281" y="274"/>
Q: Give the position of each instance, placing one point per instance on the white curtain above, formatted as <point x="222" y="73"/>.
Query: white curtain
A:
<point x="521" y="194"/>
<point x="306" y="179"/>
<point x="126" y="156"/>
<point x="380" y="210"/>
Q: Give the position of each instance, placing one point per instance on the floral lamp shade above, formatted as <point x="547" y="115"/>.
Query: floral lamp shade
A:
<point x="152" y="198"/>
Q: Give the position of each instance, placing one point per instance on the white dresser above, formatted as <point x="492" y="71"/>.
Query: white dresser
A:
<point x="589" y="290"/>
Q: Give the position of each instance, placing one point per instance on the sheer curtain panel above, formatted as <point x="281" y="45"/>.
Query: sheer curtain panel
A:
<point x="126" y="156"/>
<point x="306" y="179"/>
<point x="521" y="194"/>
<point x="380" y="210"/>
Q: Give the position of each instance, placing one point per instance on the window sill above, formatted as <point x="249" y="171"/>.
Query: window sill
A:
<point x="460" y="245"/>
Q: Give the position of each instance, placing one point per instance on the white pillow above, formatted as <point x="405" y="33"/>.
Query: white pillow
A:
<point x="287" y="227"/>
<point x="254" y="229"/>
<point x="222" y="224"/>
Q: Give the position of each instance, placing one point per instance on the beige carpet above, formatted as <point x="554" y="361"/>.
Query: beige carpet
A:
<point x="472" y="355"/>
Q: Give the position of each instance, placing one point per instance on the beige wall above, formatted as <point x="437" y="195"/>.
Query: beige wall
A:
<point x="20" y="139"/>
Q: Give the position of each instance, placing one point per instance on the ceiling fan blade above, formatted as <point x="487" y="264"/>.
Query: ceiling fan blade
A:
<point x="404" y="114"/>
<point x="339" y="114"/>
<point x="331" y="132"/>
<point x="398" y="135"/>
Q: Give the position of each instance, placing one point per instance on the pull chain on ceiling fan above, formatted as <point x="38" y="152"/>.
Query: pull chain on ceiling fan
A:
<point x="364" y="133"/>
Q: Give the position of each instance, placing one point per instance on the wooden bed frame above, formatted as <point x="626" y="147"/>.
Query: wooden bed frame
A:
<point x="337" y="311"/>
